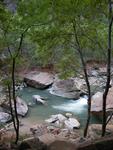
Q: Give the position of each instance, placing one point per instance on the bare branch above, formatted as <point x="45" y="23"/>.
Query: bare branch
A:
<point x="109" y="118"/>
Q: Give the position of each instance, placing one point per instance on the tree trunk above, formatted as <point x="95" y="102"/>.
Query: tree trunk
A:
<point x="14" y="100"/>
<point x="11" y="109"/>
<point x="86" y="79"/>
<point x="108" y="69"/>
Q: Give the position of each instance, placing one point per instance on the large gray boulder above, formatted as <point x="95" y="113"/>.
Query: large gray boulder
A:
<point x="97" y="101"/>
<point x="39" y="80"/>
<point x="65" y="88"/>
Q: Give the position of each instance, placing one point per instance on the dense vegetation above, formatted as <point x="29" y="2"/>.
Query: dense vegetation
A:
<point x="63" y="33"/>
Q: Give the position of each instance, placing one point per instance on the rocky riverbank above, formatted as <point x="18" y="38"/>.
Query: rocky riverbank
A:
<point x="71" y="88"/>
<point x="59" y="126"/>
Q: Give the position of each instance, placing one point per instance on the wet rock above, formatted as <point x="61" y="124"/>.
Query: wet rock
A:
<point x="4" y="117"/>
<point x="39" y="80"/>
<point x="38" y="99"/>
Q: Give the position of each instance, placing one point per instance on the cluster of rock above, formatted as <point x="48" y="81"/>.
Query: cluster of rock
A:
<point x="60" y="120"/>
<point x="58" y="125"/>
<point x="22" y="107"/>
<point x="69" y="88"/>
<point x="5" y="116"/>
<point x="73" y="87"/>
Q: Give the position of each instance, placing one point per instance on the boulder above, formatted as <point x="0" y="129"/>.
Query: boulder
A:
<point x="4" y="117"/>
<point x="38" y="99"/>
<point x="65" y="88"/>
<point x="22" y="107"/>
<point x="97" y="99"/>
<point x="40" y="80"/>
<point x="72" y="123"/>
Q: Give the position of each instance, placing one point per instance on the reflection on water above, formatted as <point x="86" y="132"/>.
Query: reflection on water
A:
<point x="55" y="104"/>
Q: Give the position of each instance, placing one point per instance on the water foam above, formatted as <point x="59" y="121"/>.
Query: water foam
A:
<point x="72" y="105"/>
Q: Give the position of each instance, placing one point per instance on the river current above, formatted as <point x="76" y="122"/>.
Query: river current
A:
<point x="55" y="105"/>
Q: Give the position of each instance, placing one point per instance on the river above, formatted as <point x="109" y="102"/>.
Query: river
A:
<point x="55" y="105"/>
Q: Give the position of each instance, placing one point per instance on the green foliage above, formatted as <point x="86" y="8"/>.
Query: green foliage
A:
<point x="56" y="42"/>
<point x="49" y="27"/>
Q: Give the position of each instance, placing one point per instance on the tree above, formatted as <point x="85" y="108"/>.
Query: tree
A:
<point x="108" y="67"/>
<point x="8" y="23"/>
<point x="73" y="34"/>
<point x="13" y="28"/>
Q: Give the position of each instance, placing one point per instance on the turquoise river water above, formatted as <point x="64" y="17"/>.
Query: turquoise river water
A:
<point x="55" y="105"/>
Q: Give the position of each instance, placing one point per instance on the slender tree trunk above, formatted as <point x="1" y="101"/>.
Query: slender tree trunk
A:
<point x="89" y="93"/>
<point x="108" y="69"/>
<point x="11" y="109"/>
<point x="86" y="79"/>
<point x="14" y="100"/>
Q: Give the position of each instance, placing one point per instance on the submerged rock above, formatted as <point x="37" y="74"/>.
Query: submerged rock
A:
<point x="39" y="80"/>
<point x="38" y="99"/>
<point x="4" y="117"/>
